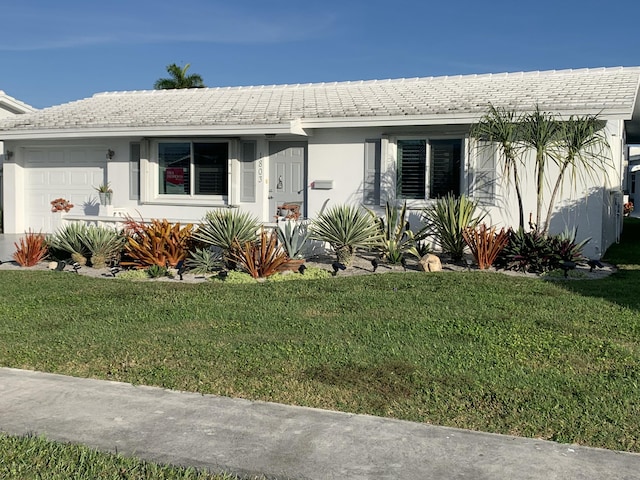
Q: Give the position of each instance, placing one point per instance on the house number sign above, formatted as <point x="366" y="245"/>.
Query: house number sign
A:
<point x="260" y="171"/>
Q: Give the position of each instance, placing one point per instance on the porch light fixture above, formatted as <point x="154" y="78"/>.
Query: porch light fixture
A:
<point x="110" y="153"/>
<point x="8" y="154"/>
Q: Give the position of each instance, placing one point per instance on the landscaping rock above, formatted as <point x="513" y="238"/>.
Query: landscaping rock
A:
<point x="430" y="263"/>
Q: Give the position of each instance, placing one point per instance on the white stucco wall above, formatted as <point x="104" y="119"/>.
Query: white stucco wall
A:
<point x="338" y="155"/>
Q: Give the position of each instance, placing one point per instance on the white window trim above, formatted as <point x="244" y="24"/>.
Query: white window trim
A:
<point x="390" y="168"/>
<point x="150" y="168"/>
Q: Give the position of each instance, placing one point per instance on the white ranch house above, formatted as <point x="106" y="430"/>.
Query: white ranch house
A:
<point x="9" y="107"/>
<point x="177" y="154"/>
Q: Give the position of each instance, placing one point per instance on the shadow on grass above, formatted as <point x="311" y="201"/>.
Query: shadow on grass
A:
<point x="623" y="287"/>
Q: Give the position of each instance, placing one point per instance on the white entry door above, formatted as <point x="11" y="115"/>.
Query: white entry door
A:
<point x="287" y="175"/>
<point x="70" y="173"/>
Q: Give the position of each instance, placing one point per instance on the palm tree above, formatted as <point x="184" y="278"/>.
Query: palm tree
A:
<point x="179" y="79"/>
<point x="500" y="126"/>
<point x="539" y="131"/>
<point x="582" y="150"/>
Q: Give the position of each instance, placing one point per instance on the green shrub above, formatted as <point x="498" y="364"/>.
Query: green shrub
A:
<point x="311" y="273"/>
<point x="535" y="252"/>
<point x="447" y="219"/>
<point x="234" y="277"/>
<point x="157" y="271"/>
<point x="133" y="274"/>
<point x="345" y="228"/>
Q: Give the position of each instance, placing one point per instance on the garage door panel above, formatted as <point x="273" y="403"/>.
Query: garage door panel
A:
<point x="37" y="178"/>
<point x="72" y="174"/>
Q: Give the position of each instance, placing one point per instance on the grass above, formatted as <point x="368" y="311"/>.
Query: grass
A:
<point x="25" y="458"/>
<point x="477" y="350"/>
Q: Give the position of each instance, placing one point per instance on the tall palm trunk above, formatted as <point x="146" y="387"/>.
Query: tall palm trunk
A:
<point x="554" y="194"/>
<point x="516" y="182"/>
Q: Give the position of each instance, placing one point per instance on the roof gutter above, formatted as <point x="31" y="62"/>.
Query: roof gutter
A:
<point x="292" y="128"/>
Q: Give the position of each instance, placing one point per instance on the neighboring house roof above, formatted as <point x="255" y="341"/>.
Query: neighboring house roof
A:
<point x="611" y="92"/>
<point x="9" y="106"/>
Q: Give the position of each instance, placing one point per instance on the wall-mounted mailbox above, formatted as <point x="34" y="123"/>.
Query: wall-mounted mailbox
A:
<point x="322" y="184"/>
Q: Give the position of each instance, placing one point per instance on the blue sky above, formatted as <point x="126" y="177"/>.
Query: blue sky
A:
<point x="56" y="52"/>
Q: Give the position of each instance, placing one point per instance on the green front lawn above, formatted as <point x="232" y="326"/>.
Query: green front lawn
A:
<point x="478" y="350"/>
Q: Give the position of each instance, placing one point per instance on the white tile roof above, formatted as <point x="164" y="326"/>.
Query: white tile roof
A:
<point x="456" y="99"/>
<point x="12" y="106"/>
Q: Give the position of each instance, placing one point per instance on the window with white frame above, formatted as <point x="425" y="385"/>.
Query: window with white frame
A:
<point x="428" y="169"/>
<point x="193" y="168"/>
<point x="483" y="175"/>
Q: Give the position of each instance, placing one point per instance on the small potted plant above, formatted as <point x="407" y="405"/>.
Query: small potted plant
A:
<point x="628" y="208"/>
<point x="104" y="192"/>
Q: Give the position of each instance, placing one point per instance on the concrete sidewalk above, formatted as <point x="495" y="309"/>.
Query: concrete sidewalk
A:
<point x="252" y="438"/>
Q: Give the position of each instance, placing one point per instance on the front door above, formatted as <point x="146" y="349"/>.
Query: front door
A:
<point x="287" y="182"/>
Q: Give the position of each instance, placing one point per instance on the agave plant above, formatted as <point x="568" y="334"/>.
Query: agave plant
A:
<point x="222" y="228"/>
<point x="447" y="219"/>
<point x="346" y="228"/>
<point x="71" y="240"/>
<point x="204" y="260"/>
<point x="293" y="237"/>
<point x="104" y="244"/>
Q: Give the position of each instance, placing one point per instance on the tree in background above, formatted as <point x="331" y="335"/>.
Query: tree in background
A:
<point x="179" y="79"/>
<point x="500" y="126"/>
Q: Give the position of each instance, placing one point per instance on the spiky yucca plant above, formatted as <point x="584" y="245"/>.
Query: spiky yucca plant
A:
<point x="345" y="228"/>
<point x="104" y="244"/>
<point x="222" y="228"/>
<point x="447" y="219"/>
<point x="71" y="239"/>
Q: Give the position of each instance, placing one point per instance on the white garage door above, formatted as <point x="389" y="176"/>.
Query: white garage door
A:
<point x="71" y="173"/>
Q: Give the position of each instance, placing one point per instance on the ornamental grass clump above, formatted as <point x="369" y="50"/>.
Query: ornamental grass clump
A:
<point x="31" y="249"/>
<point x="485" y="244"/>
<point x="346" y="228"/>
<point x="447" y="219"/>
